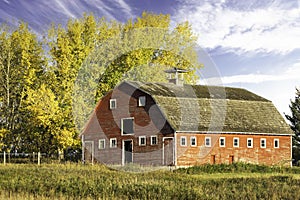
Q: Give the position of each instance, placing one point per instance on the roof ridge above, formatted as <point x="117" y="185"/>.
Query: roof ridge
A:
<point x="197" y="98"/>
<point x="199" y="91"/>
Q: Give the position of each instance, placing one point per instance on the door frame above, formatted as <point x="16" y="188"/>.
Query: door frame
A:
<point x="123" y="150"/>
<point x="93" y="150"/>
<point x="163" y="149"/>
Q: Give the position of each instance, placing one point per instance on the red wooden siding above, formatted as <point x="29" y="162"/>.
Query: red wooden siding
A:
<point x="106" y="124"/>
<point x="188" y="155"/>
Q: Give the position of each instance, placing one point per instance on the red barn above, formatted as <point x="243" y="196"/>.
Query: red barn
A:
<point x="182" y="125"/>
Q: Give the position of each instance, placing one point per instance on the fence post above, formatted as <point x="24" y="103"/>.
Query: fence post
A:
<point x="39" y="158"/>
<point x="4" y="158"/>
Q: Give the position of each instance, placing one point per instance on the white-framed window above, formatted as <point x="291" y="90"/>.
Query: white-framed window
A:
<point x="222" y="141"/>
<point x="127" y="126"/>
<point x="276" y="143"/>
<point x="142" y="101"/>
<point x="263" y="143"/>
<point x="142" y="141"/>
<point x="193" y="141"/>
<point x="236" y="142"/>
<point x="153" y="140"/>
<point x="182" y="140"/>
<point x="113" y="142"/>
<point x="250" y="142"/>
<point x="112" y="103"/>
<point x="207" y="141"/>
<point x="102" y="144"/>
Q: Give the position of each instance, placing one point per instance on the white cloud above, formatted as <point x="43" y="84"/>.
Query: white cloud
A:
<point x="272" y="29"/>
<point x="279" y="88"/>
<point x="71" y="9"/>
<point x="125" y="7"/>
<point x="291" y="73"/>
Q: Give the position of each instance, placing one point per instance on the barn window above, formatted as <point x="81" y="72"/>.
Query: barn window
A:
<point x="112" y="103"/>
<point x="276" y="143"/>
<point x="102" y="144"/>
<point x="222" y="141"/>
<point x="208" y="141"/>
<point x="236" y="142"/>
<point x="127" y="126"/>
<point x="263" y="143"/>
<point x="153" y="140"/>
<point x="142" y="140"/>
<point x="193" y="141"/>
<point x="113" y="142"/>
<point x="142" y="101"/>
<point x="250" y="142"/>
<point x="183" y="141"/>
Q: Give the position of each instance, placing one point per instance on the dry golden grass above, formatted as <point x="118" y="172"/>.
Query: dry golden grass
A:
<point x="76" y="181"/>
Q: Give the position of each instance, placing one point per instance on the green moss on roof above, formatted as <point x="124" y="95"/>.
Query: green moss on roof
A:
<point x="196" y="91"/>
<point x="212" y="108"/>
<point x="222" y="115"/>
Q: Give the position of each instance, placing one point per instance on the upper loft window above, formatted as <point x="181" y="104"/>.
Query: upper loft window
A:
<point x="142" y="101"/>
<point x="112" y="103"/>
<point x="127" y="126"/>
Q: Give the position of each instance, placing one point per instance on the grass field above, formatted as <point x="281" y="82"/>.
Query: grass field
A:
<point x="76" y="181"/>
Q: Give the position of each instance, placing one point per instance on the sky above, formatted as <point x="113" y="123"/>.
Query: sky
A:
<point x="254" y="44"/>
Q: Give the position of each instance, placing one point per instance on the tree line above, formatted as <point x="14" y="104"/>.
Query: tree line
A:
<point x="38" y="72"/>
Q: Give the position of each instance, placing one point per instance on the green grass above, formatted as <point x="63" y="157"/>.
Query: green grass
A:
<point x="76" y="181"/>
<point x="238" y="168"/>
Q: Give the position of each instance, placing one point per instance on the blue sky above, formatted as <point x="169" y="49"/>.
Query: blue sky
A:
<point x="255" y="44"/>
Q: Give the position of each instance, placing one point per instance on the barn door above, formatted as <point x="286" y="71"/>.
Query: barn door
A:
<point x="168" y="151"/>
<point x="89" y="152"/>
<point x="127" y="151"/>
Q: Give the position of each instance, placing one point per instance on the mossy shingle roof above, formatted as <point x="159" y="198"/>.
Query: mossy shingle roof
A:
<point x="214" y="108"/>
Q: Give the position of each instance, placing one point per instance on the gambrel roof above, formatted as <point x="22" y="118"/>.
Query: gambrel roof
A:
<point x="214" y="108"/>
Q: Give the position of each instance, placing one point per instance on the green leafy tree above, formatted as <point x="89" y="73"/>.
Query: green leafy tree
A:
<point x="150" y="47"/>
<point x="21" y="64"/>
<point x="138" y="50"/>
<point x="41" y="124"/>
<point x="295" y="124"/>
<point x="37" y="89"/>
<point x="69" y="47"/>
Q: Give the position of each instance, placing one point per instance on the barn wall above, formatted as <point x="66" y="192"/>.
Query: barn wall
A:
<point x="215" y="154"/>
<point x="106" y="123"/>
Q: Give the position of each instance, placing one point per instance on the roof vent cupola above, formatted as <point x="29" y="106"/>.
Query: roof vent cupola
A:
<point x="174" y="75"/>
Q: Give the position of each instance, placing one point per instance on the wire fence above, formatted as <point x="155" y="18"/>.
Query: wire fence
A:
<point x="38" y="158"/>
